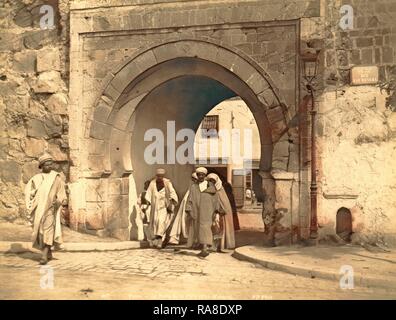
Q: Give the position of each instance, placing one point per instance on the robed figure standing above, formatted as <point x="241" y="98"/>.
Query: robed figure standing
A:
<point x="45" y="198"/>
<point x="163" y="199"/>
<point x="202" y="205"/>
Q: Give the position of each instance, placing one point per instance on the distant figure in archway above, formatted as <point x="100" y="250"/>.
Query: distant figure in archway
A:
<point x="230" y="194"/>
<point x="163" y="198"/>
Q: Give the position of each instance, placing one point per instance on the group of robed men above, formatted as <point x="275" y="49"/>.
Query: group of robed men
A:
<point x="205" y="217"/>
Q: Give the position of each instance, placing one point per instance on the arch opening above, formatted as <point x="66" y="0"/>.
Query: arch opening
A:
<point x="137" y="99"/>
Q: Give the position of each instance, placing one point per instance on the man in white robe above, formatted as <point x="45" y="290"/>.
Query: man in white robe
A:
<point x="163" y="199"/>
<point x="46" y="200"/>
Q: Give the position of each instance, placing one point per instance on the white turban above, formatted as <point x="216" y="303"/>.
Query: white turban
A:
<point x="201" y="170"/>
<point x="215" y="177"/>
<point x="43" y="158"/>
<point x="194" y="176"/>
<point x="160" y="171"/>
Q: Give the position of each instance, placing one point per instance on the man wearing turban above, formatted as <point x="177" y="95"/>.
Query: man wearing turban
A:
<point x="46" y="199"/>
<point x="202" y="205"/>
<point x="162" y="198"/>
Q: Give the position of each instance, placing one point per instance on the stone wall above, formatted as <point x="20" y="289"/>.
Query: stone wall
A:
<point x="33" y="97"/>
<point x="356" y="125"/>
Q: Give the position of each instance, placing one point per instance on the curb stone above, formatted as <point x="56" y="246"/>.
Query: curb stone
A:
<point x="313" y="272"/>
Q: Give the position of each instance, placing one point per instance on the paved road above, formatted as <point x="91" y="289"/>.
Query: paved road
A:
<point x="165" y="274"/>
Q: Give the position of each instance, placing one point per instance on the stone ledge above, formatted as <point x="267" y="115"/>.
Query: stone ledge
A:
<point x="271" y="258"/>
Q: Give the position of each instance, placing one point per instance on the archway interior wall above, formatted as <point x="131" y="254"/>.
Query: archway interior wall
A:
<point x="255" y="42"/>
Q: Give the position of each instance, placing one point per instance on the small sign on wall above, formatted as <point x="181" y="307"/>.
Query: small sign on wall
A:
<point x="364" y="75"/>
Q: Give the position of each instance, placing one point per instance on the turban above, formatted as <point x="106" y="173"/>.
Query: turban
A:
<point x="194" y="176"/>
<point x="160" y="171"/>
<point x="215" y="177"/>
<point x="201" y="170"/>
<point x="43" y="158"/>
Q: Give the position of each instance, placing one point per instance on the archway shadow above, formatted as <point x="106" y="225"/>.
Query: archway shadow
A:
<point x="20" y="252"/>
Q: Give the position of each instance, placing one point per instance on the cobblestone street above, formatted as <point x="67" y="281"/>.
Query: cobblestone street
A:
<point x="165" y="274"/>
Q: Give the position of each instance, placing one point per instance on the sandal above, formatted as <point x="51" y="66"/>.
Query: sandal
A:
<point x="203" y="254"/>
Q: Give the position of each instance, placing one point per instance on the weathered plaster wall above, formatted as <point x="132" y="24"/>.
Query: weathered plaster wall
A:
<point x="356" y="124"/>
<point x="33" y="97"/>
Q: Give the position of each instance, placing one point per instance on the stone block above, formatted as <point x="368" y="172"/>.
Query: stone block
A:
<point x="277" y="130"/>
<point x="10" y="41"/>
<point x="10" y="171"/>
<point x="281" y="149"/>
<point x="275" y="114"/>
<point x="38" y="39"/>
<point x="36" y="129"/>
<point x="117" y="212"/>
<point x="96" y="190"/>
<point x="387" y="55"/>
<point x="258" y="83"/>
<point x="294" y="161"/>
<point x="146" y="60"/>
<point x="48" y="82"/>
<point x="364" y="42"/>
<point x="124" y="76"/>
<point x="120" y="233"/>
<point x="48" y="59"/>
<point x="94" y="216"/>
<point x="242" y="69"/>
<point x="96" y="162"/>
<point x="282" y="194"/>
<point x="268" y="99"/>
<point x="102" y="112"/>
<point x="280" y="163"/>
<point x="100" y="130"/>
<point x="96" y="147"/>
<point x="54" y="125"/>
<point x="367" y="56"/>
<point x="3" y="147"/>
<point x="24" y="61"/>
<point x="57" y="153"/>
<point x="57" y="103"/>
<point x="115" y="186"/>
<point x="29" y="170"/>
<point x="34" y="147"/>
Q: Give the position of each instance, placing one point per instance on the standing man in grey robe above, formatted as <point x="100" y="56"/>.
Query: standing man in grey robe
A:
<point x="202" y="205"/>
<point x="46" y="200"/>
